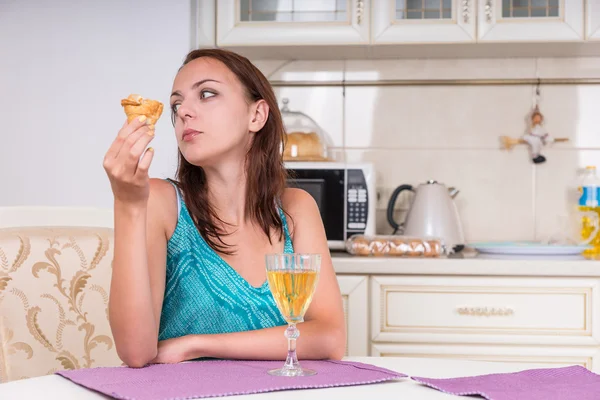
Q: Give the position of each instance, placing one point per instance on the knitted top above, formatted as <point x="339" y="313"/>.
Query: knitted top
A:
<point x="204" y="294"/>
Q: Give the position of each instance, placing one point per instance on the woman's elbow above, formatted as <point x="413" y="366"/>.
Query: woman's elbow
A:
<point x="134" y="358"/>
<point x="335" y="347"/>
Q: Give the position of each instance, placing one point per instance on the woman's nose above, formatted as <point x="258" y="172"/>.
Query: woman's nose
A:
<point x="185" y="111"/>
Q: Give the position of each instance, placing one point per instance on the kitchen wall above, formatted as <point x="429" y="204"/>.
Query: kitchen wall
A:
<point x="64" y="67"/>
<point x="68" y="64"/>
<point x="451" y="133"/>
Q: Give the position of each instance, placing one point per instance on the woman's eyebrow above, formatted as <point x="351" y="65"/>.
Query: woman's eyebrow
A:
<point x="194" y="86"/>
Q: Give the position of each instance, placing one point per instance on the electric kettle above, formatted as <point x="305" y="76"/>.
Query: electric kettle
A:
<point x="432" y="213"/>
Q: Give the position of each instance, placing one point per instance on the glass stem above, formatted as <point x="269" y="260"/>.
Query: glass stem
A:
<point x="292" y="333"/>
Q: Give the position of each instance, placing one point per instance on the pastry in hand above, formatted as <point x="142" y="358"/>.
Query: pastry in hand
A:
<point x="135" y="105"/>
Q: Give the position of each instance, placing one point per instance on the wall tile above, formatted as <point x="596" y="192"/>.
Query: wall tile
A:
<point x="268" y="67"/>
<point x="496" y="188"/>
<point x="571" y="111"/>
<point x="569" y="67"/>
<point x="435" y="117"/>
<point x="556" y="186"/>
<point x="373" y="70"/>
<point x="317" y="71"/>
<point x="323" y="104"/>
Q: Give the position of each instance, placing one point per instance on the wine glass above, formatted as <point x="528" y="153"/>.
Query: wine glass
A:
<point x="293" y="279"/>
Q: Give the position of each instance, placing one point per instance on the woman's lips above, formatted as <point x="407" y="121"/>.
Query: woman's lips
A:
<point x="189" y="134"/>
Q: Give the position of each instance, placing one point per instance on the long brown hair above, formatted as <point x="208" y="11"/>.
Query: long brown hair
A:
<point x="265" y="171"/>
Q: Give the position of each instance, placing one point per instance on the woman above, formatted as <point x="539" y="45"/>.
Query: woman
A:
<point x="189" y="275"/>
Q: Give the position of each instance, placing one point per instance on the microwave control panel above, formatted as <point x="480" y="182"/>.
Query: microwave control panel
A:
<point x="357" y="201"/>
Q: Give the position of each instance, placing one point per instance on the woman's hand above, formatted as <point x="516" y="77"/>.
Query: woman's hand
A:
<point x="128" y="174"/>
<point x="176" y="350"/>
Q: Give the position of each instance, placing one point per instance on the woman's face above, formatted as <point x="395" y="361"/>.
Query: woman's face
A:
<point x="212" y="114"/>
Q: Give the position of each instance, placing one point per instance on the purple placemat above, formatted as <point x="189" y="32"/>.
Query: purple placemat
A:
<point x="213" y="378"/>
<point x="567" y="383"/>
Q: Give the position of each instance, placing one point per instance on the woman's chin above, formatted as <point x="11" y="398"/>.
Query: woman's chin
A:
<point x="196" y="158"/>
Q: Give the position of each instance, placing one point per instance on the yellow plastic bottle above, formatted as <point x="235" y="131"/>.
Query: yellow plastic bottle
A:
<point x="589" y="193"/>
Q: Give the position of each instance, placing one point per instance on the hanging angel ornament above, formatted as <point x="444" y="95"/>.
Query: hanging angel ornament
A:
<point x="537" y="136"/>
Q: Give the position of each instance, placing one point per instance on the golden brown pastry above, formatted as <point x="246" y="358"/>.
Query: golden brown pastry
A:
<point x="360" y="246"/>
<point x="416" y="248"/>
<point x="379" y="246"/>
<point x="302" y="146"/>
<point x="135" y="105"/>
<point x="433" y="248"/>
<point x="398" y="246"/>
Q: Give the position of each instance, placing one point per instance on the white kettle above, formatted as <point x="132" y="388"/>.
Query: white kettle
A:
<point x="432" y="213"/>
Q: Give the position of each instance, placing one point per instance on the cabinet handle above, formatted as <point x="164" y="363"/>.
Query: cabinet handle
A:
<point x="485" y="311"/>
<point x="489" y="9"/>
<point x="360" y="8"/>
<point x="465" y="11"/>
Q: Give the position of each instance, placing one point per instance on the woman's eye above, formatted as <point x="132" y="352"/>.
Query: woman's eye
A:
<point x="205" y="94"/>
<point x="175" y="107"/>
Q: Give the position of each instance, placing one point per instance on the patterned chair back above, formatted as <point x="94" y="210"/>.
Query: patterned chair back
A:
<point x="54" y="286"/>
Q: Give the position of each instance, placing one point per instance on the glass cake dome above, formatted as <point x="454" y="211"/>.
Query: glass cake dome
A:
<point x="305" y="139"/>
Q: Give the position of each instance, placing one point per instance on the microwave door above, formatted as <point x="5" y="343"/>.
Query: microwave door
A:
<point x="327" y="188"/>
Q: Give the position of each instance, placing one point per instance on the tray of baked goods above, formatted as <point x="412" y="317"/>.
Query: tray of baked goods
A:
<point x="394" y="246"/>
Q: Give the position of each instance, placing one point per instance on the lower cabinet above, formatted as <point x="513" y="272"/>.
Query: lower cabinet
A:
<point x="551" y="321"/>
<point x="529" y="356"/>
<point x="354" y="289"/>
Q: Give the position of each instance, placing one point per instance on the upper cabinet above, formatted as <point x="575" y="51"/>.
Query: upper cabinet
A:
<point x="531" y="20"/>
<point x="592" y="20"/>
<point x="292" y="22"/>
<point x="423" y="21"/>
<point x="203" y="18"/>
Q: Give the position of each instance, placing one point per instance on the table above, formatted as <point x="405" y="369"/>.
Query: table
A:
<point x="54" y="387"/>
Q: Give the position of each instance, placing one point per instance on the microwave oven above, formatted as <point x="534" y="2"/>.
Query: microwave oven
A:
<point x="344" y="193"/>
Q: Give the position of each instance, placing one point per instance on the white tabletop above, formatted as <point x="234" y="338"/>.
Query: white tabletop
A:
<point x="54" y="387"/>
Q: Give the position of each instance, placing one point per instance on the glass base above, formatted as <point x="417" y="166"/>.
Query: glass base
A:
<point x="292" y="372"/>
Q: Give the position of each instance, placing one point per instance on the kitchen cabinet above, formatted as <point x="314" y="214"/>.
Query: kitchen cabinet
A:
<point x="501" y="310"/>
<point x="530" y="20"/>
<point x="525" y="311"/>
<point x="203" y="18"/>
<point x="528" y="357"/>
<point x="288" y="22"/>
<point x="423" y="21"/>
<point x="354" y="289"/>
<point x="592" y="10"/>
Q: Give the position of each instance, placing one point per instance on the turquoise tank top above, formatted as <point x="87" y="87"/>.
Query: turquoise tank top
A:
<point x="203" y="294"/>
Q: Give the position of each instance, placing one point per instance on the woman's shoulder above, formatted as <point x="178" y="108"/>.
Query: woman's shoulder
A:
<point x="296" y="200"/>
<point x="162" y="204"/>
<point x="300" y="205"/>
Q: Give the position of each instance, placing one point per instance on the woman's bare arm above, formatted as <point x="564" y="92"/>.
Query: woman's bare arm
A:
<point x="138" y="279"/>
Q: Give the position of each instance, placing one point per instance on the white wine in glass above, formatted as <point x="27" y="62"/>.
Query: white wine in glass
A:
<point x="293" y="278"/>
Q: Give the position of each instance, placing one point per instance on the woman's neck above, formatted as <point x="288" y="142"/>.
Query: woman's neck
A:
<point x="227" y="192"/>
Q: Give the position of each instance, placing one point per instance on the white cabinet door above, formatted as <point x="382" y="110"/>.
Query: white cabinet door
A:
<point x="530" y="20"/>
<point x="423" y="21"/>
<point x="529" y="357"/>
<point x="203" y="14"/>
<point x="356" y="307"/>
<point x="592" y="20"/>
<point x="495" y="310"/>
<point x="289" y="22"/>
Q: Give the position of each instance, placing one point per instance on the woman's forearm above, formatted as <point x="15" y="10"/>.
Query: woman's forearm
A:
<point x="317" y="340"/>
<point x="131" y="315"/>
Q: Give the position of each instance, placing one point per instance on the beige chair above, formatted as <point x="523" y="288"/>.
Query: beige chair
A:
<point x="55" y="269"/>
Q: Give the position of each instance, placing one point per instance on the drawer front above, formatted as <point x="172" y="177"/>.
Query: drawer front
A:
<point x="558" y="310"/>
<point x="529" y="356"/>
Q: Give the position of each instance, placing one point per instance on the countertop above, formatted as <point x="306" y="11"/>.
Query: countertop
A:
<point x="467" y="263"/>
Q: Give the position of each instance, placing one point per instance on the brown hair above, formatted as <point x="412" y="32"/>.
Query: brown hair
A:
<point x="265" y="171"/>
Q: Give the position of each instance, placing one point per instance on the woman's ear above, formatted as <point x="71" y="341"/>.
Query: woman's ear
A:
<point x="259" y="115"/>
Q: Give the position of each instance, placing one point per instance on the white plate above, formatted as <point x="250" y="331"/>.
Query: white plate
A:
<point x="527" y="248"/>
